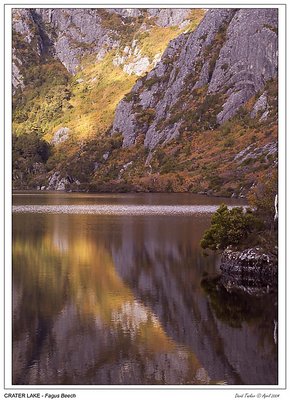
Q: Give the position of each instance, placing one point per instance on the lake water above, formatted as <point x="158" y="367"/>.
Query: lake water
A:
<point x="107" y="291"/>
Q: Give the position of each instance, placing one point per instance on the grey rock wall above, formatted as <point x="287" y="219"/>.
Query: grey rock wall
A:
<point x="23" y="23"/>
<point x="73" y="32"/>
<point x="17" y="78"/>
<point x="250" y="52"/>
<point x="169" y="16"/>
<point x="232" y="54"/>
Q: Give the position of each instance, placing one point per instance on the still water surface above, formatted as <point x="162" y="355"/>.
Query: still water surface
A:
<point x="107" y="290"/>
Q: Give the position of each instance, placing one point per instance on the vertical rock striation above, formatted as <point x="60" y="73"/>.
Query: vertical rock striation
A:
<point x="229" y="58"/>
<point x="73" y="33"/>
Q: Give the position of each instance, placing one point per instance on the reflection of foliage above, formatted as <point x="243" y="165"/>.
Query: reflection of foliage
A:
<point x="237" y="307"/>
<point x="228" y="307"/>
<point x="36" y="270"/>
<point x="229" y="227"/>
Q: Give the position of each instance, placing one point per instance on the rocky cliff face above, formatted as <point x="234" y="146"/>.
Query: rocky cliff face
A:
<point x="225" y="61"/>
<point x="91" y="49"/>
<point x="149" y="99"/>
<point x="71" y="34"/>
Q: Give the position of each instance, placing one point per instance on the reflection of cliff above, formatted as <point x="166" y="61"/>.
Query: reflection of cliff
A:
<point x="117" y="300"/>
<point x="77" y="322"/>
<point x="167" y="279"/>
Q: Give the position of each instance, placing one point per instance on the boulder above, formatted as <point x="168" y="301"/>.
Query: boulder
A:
<point x="251" y="270"/>
<point x="59" y="182"/>
<point x="60" y="136"/>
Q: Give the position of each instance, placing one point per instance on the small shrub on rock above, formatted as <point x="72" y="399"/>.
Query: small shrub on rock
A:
<point x="229" y="227"/>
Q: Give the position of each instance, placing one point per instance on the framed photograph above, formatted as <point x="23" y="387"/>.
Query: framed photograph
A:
<point x="145" y="199"/>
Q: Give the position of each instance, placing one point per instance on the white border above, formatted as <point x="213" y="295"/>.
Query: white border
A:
<point x="184" y="391"/>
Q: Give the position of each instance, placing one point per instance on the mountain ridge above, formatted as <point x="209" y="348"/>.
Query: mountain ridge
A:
<point x="201" y="117"/>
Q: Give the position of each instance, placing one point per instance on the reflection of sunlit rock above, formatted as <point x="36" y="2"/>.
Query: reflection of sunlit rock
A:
<point x="60" y="233"/>
<point x="123" y="306"/>
<point x="82" y="336"/>
<point x="202" y="376"/>
<point x="165" y="273"/>
<point x="131" y="316"/>
<point x="60" y="242"/>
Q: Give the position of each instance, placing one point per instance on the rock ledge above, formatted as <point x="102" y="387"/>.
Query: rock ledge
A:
<point x="251" y="270"/>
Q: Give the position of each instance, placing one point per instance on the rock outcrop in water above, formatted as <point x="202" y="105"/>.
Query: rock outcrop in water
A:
<point x="174" y="297"/>
<point x="225" y="61"/>
<point x="251" y="270"/>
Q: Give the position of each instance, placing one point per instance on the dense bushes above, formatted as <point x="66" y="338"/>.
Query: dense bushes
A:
<point x="30" y="147"/>
<point x="44" y="100"/>
<point x="29" y="155"/>
<point x="229" y="227"/>
<point x="252" y="226"/>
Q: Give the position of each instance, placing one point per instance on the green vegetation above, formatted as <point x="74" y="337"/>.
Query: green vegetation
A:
<point x="85" y="103"/>
<point x="195" y="17"/>
<point x="30" y="147"/>
<point x="239" y="227"/>
<point x="201" y="159"/>
<point x="229" y="227"/>
<point x="96" y="91"/>
<point x="145" y="116"/>
<point x="44" y="100"/>
<point x="156" y="40"/>
<point x="29" y="155"/>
